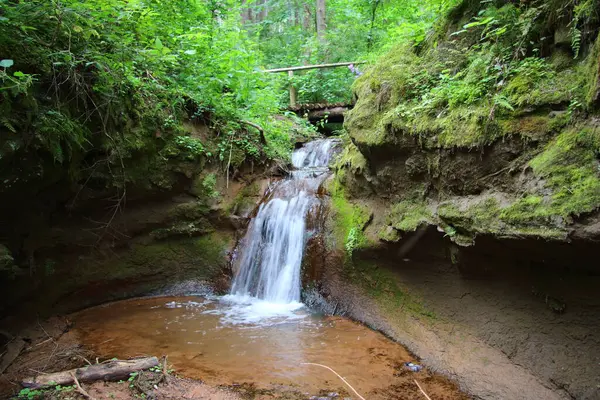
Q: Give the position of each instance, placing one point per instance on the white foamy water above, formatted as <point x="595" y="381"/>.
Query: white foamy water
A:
<point x="248" y="310"/>
<point x="317" y="153"/>
<point x="267" y="283"/>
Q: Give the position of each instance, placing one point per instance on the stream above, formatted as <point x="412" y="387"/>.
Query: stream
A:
<point x="261" y="333"/>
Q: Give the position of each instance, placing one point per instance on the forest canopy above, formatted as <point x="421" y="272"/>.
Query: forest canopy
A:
<point x="96" y="85"/>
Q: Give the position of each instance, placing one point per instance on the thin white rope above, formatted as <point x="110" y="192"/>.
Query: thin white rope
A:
<point x="339" y="376"/>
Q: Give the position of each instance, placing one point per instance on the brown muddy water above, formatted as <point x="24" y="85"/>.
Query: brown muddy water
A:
<point x="218" y="343"/>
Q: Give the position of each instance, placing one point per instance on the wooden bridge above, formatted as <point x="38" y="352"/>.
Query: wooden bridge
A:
<point x="334" y="112"/>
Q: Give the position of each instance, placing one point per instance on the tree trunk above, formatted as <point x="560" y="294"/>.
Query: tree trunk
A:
<point x="306" y="22"/>
<point x="246" y="14"/>
<point x="262" y="10"/>
<point x="321" y="19"/>
<point x="373" y="17"/>
<point x="110" y="371"/>
<point x="296" y="10"/>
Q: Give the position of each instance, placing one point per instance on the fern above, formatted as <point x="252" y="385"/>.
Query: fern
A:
<point x="502" y="101"/>
<point x="575" y="39"/>
<point x="7" y="124"/>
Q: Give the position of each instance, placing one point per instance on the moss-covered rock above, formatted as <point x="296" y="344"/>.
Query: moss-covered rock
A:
<point x="592" y="73"/>
<point x="408" y="215"/>
<point x="479" y="136"/>
<point x="349" y="220"/>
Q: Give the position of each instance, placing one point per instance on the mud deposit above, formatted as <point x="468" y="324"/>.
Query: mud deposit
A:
<point x="217" y="343"/>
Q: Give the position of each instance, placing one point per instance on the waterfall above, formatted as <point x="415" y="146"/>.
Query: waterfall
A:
<point x="271" y="252"/>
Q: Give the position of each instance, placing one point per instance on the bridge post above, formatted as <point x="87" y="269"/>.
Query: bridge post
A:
<point x="293" y="93"/>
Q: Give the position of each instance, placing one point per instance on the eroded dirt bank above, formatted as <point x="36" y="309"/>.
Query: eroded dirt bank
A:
<point x="499" y="318"/>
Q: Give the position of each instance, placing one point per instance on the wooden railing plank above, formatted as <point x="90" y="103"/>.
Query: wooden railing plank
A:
<point x="304" y="67"/>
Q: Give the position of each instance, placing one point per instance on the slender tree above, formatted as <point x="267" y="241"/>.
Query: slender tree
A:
<point x="321" y="20"/>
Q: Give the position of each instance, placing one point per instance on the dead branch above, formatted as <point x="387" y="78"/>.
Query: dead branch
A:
<point x="165" y="370"/>
<point x="263" y="140"/>
<point x="111" y="371"/>
<point x="79" y="388"/>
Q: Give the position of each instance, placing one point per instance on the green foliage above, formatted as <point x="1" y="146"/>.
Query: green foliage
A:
<point x="31" y="394"/>
<point x="489" y="68"/>
<point x="60" y="135"/>
<point x="209" y="184"/>
<point x="192" y="146"/>
<point x="95" y="87"/>
<point x="356" y="31"/>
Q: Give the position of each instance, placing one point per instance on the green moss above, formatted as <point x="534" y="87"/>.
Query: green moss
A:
<point x="528" y="210"/>
<point x="351" y="159"/>
<point x="349" y="220"/>
<point x="561" y="60"/>
<point x="468" y="126"/>
<point x="488" y="216"/>
<point x="380" y="89"/>
<point x="389" y="234"/>
<point x="592" y="72"/>
<point x="382" y="285"/>
<point x="189" y="211"/>
<point x="245" y="199"/>
<point x="201" y="257"/>
<point x="408" y="215"/>
<point x="205" y="187"/>
<point x="570" y="167"/>
<point x="534" y="127"/>
<point x="548" y="88"/>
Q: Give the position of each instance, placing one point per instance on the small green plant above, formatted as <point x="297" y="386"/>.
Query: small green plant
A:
<point x="60" y="388"/>
<point x="352" y="241"/>
<point x="209" y="184"/>
<point x="190" y="145"/>
<point x="30" y="394"/>
<point x="131" y="379"/>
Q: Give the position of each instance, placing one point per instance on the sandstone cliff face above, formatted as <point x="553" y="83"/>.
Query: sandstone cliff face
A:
<point x="177" y="240"/>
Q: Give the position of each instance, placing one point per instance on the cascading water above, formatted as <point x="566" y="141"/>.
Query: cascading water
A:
<point x="271" y="252"/>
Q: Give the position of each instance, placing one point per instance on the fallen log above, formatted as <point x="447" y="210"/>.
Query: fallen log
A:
<point x="110" y="371"/>
<point x="335" y="114"/>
